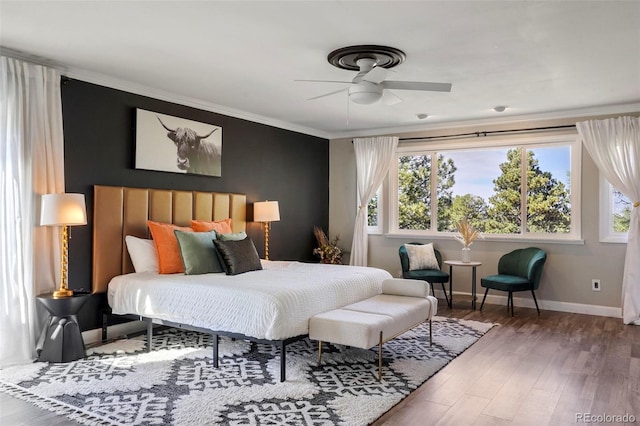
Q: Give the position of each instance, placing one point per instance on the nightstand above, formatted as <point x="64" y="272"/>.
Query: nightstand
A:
<point x="61" y="339"/>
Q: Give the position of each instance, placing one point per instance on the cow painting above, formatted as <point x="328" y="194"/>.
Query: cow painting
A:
<point x="194" y="154"/>
<point x="177" y="145"/>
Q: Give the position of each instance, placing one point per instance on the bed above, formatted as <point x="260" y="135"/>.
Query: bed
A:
<point x="272" y="305"/>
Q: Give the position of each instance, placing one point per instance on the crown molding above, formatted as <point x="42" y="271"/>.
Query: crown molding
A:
<point x="163" y="95"/>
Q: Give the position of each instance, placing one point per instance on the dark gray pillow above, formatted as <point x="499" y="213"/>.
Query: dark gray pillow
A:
<point x="239" y="256"/>
<point x="198" y="252"/>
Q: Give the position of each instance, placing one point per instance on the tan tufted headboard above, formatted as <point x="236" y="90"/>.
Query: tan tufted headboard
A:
<point x="120" y="211"/>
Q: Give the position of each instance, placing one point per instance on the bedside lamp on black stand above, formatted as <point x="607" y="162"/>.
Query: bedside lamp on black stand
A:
<point x="61" y="339"/>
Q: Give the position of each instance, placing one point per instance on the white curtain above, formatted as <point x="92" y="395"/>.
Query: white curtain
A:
<point x="373" y="158"/>
<point x="614" y="145"/>
<point x="31" y="164"/>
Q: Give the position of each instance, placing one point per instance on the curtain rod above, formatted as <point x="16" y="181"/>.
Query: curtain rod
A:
<point x="490" y="132"/>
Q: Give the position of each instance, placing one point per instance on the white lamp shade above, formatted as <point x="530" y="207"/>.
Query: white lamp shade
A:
<point x="266" y="211"/>
<point x="63" y="209"/>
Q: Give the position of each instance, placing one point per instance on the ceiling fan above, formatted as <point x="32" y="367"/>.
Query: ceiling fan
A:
<point x="369" y="85"/>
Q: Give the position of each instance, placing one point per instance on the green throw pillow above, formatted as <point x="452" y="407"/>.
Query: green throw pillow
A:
<point x="237" y="236"/>
<point x="198" y="252"/>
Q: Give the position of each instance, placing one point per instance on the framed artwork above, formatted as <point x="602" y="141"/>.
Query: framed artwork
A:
<point x="178" y="145"/>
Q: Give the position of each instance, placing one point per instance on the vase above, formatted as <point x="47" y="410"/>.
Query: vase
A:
<point x="466" y="254"/>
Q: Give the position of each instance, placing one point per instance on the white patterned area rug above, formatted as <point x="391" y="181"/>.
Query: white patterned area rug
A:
<point x="121" y="384"/>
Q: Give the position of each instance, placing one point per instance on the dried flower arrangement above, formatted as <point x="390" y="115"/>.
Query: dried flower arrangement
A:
<point x="327" y="250"/>
<point x="467" y="234"/>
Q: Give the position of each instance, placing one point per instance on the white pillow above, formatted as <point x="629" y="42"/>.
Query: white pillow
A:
<point x="421" y="256"/>
<point x="143" y="254"/>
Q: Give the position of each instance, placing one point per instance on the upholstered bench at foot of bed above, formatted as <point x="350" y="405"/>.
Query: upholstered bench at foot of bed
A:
<point x="374" y="321"/>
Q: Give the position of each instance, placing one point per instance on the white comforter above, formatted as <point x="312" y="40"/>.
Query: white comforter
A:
<point x="275" y="303"/>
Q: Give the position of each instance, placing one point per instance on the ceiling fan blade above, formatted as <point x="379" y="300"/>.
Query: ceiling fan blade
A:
<point x="328" y="94"/>
<point x="324" y="81"/>
<point x="417" y="85"/>
<point x="375" y="75"/>
<point x="390" y="98"/>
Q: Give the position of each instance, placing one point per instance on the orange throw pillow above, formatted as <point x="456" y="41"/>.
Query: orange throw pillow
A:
<point x="220" y="226"/>
<point x="167" y="247"/>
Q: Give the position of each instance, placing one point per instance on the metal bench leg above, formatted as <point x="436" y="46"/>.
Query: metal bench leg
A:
<point x="430" y="333"/>
<point x="380" y="359"/>
<point x="319" y="353"/>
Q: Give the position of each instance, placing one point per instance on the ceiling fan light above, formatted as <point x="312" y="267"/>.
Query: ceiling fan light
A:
<point x="365" y="93"/>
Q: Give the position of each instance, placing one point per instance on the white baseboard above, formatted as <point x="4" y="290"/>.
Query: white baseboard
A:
<point x="547" y="305"/>
<point x="113" y="331"/>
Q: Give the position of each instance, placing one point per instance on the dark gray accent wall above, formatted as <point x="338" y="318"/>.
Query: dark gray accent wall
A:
<point x="261" y="161"/>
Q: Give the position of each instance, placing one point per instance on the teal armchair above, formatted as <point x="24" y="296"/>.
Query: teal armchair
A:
<point x="519" y="270"/>
<point x="432" y="276"/>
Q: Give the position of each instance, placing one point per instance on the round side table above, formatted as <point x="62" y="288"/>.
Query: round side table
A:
<point x="472" y="265"/>
<point x="61" y="339"/>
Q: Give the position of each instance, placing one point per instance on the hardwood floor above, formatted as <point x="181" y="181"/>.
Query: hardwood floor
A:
<point x="529" y="370"/>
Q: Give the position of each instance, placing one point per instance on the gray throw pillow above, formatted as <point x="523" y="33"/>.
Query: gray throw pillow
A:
<point x="239" y="256"/>
<point x="198" y="252"/>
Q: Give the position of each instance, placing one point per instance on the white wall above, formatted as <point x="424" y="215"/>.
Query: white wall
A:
<point x="569" y="269"/>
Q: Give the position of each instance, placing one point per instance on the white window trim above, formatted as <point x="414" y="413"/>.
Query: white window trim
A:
<point x="607" y="235"/>
<point x="428" y="148"/>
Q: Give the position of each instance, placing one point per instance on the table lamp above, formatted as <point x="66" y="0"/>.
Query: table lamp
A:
<point x="266" y="212"/>
<point x="63" y="210"/>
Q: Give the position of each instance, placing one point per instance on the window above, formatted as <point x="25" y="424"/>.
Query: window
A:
<point x="374" y="213"/>
<point x="414" y="192"/>
<point x="524" y="188"/>
<point x="615" y="214"/>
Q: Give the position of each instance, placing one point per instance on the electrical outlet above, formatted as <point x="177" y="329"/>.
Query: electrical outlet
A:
<point x="595" y="285"/>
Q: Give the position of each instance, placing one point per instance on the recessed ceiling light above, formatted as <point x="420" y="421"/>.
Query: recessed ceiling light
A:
<point x="422" y="116"/>
<point x="500" y="108"/>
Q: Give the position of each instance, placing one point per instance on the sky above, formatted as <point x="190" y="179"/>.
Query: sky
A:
<point x="477" y="169"/>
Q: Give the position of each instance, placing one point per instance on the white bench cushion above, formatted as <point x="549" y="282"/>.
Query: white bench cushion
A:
<point x="348" y="327"/>
<point x="405" y="311"/>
